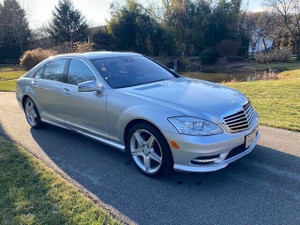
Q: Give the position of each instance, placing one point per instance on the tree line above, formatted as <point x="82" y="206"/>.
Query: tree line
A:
<point x="160" y="28"/>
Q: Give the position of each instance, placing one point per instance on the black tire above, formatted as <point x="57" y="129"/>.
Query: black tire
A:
<point x="166" y="166"/>
<point x="38" y="123"/>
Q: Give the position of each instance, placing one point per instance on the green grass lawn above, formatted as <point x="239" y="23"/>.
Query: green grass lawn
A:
<point x="31" y="193"/>
<point x="282" y="66"/>
<point x="290" y="74"/>
<point x="8" y="80"/>
<point x="4" y="68"/>
<point x="11" y="75"/>
<point x="213" y="77"/>
<point x="8" y="85"/>
<point x="277" y="101"/>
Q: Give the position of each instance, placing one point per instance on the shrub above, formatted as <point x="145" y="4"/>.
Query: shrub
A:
<point x="71" y="47"/>
<point x="283" y="55"/>
<point x="266" y="75"/>
<point x="209" y="55"/>
<point x="33" y="57"/>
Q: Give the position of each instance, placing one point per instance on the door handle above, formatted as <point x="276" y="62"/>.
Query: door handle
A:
<point x="33" y="83"/>
<point x="66" y="91"/>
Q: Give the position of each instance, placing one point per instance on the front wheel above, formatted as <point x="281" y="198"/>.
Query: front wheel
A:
<point x="149" y="150"/>
<point x="32" y="114"/>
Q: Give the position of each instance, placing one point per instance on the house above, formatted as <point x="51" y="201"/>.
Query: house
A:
<point x="258" y="44"/>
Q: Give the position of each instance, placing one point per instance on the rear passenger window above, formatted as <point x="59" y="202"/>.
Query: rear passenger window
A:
<point x="54" y="70"/>
<point x="39" y="73"/>
<point x="79" y="72"/>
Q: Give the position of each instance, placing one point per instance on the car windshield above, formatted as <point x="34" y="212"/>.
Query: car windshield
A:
<point x="126" y="71"/>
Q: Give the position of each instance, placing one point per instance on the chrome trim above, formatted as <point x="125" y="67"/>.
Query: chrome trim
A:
<point x="111" y="143"/>
<point x="240" y="120"/>
<point x="239" y="114"/>
<point x="55" y="124"/>
<point x="232" y="122"/>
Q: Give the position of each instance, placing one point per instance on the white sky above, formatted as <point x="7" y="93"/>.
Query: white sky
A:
<point x="96" y="11"/>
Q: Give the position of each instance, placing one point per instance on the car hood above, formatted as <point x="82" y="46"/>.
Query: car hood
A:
<point x="192" y="97"/>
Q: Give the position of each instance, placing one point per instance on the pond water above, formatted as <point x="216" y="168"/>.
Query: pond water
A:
<point x="219" y="77"/>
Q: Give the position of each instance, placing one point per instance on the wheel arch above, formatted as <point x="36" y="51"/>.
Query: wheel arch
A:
<point x="27" y="95"/>
<point x="170" y="162"/>
<point x="131" y="124"/>
<point x="137" y="121"/>
<point x="24" y="99"/>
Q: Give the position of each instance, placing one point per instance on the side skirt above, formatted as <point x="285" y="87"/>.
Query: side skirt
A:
<point x="102" y="140"/>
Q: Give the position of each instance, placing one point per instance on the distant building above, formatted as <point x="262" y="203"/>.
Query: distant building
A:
<point x="257" y="44"/>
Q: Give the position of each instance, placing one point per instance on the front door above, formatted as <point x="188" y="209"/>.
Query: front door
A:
<point x="84" y="111"/>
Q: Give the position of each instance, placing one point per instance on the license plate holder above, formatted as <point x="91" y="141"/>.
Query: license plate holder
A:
<point x="250" y="138"/>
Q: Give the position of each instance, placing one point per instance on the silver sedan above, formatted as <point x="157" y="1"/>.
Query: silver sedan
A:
<point x="164" y="121"/>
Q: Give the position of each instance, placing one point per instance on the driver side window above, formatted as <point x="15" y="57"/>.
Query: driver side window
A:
<point x="79" y="72"/>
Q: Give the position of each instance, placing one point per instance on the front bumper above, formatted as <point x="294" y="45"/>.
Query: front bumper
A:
<point x="216" y="146"/>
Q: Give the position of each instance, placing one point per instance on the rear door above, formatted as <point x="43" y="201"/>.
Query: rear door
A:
<point x="84" y="111"/>
<point x="47" y="85"/>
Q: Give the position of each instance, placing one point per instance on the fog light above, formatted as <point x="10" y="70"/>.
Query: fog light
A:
<point x="205" y="159"/>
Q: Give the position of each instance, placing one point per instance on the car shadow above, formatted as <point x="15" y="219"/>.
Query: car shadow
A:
<point x="261" y="188"/>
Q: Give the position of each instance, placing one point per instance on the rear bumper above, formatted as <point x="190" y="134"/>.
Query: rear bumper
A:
<point x="215" y="147"/>
<point x="19" y="97"/>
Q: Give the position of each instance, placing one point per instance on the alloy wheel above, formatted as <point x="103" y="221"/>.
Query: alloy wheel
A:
<point x="30" y="112"/>
<point x="146" y="151"/>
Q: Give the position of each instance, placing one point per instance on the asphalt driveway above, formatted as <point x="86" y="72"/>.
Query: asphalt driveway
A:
<point x="262" y="188"/>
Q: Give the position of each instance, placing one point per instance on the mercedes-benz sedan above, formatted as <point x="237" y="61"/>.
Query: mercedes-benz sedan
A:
<point x="163" y="120"/>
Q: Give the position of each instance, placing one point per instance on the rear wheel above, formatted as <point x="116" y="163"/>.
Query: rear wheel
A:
<point x="32" y="114"/>
<point x="149" y="150"/>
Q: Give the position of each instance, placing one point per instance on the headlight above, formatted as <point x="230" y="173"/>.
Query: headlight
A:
<point x="194" y="126"/>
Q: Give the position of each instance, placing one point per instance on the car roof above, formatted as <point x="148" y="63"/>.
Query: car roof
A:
<point x="97" y="55"/>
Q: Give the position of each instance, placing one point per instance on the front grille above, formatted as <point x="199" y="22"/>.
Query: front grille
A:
<point x="241" y="120"/>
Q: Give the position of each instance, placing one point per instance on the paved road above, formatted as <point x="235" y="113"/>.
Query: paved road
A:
<point x="262" y="188"/>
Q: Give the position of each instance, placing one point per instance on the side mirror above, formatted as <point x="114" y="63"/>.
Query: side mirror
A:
<point x="90" y="86"/>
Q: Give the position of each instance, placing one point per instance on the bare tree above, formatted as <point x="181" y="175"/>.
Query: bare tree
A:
<point x="290" y="12"/>
<point x="253" y="30"/>
<point x="272" y="27"/>
<point x="262" y="26"/>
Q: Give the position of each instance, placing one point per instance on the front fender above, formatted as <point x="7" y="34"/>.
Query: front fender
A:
<point x="154" y="115"/>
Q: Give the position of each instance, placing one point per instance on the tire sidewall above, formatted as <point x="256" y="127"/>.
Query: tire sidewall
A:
<point x="39" y="123"/>
<point x="167" y="159"/>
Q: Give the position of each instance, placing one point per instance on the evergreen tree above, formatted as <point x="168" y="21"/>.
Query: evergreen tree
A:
<point x="102" y="40"/>
<point x="14" y="29"/>
<point x="68" y="24"/>
<point x="1" y="28"/>
<point x="178" y="27"/>
<point x="133" y="29"/>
